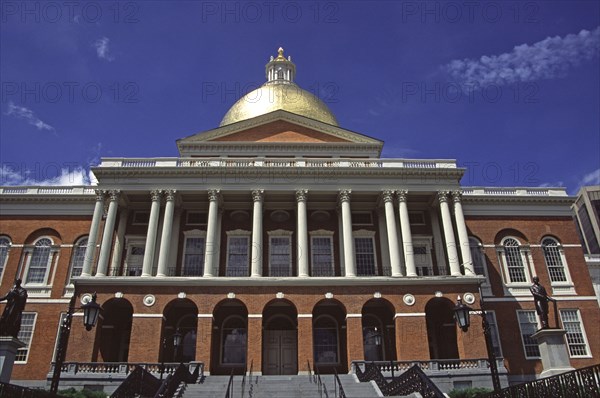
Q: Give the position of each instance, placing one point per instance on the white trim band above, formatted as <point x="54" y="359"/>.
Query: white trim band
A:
<point x="403" y="314"/>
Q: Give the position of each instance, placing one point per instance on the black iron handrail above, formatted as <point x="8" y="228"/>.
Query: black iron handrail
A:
<point x="413" y="380"/>
<point x="339" y="390"/>
<point x="322" y="388"/>
<point x="229" y="392"/>
<point x="172" y="381"/>
<point x="247" y="374"/>
<point x="579" y="383"/>
<point x="139" y="382"/>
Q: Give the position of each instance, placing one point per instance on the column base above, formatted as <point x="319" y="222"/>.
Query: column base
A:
<point x="553" y="350"/>
<point x="8" y="351"/>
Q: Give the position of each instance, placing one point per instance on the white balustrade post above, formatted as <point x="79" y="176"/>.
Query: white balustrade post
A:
<point x="463" y="236"/>
<point x="392" y="232"/>
<point x="109" y="226"/>
<point x="167" y="232"/>
<point x="257" y="235"/>
<point x="301" y="196"/>
<point x="90" y="250"/>
<point x="449" y="234"/>
<point x="407" y="243"/>
<point x="211" y="232"/>
<point x="151" y="235"/>
<point x="350" y="261"/>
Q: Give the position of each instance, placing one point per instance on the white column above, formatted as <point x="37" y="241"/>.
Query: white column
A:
<point x="449" y="234"/>
<point x="392" y="232"/>
<point x="407" y="243"/>
<point x="383" y="242"/>
<point x="90" y="250"/>
<point x="211" y="233"/>
<point x="115" y="263"/>
<point x="151" y="235"/>
<point x="257" y="235"/>
<point x="167" y="233"/>
<point x="301" y="196"/>
<point x="109" y="226"/>
<point x="463" y="236"/>
<point x="341" y="241"/>
<point x="350" y="261"/>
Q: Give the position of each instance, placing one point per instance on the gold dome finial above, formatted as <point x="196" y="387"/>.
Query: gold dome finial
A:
<point x="280" y="53"/>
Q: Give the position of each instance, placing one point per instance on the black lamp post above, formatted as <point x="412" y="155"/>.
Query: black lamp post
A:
<point x="177" y="338"/>
<point x="91" y="311"/>
<point x="462" y="316"/>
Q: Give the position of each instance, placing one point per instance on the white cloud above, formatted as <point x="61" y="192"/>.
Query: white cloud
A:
<point x="68" y="176"/>
<point x="102" y="49"/>
<point x="546" y="59"/>
<point x="592" y="178"/>
<point x="20" y="112"/>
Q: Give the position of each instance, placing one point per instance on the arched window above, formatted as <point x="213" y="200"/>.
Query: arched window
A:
<point x="325" y="340"/>
<point x="4" y="249"/>
<point x="514" y="261"/>
<point x="234" y="341"/>
<point x="39" y="263"/>
<point x="477" y="256"/>
<point x="78" y="257"/>
<point x="554" y="260"/>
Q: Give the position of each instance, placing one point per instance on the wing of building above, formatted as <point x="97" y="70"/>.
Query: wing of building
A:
<point x="281" y="238"/>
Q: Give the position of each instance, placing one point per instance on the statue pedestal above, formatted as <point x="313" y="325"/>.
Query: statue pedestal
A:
<point x="553" y="350"/>
<point x="8" y="350"/>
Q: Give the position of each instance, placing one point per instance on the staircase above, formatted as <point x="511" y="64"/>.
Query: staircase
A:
<point x="279" y="387"/>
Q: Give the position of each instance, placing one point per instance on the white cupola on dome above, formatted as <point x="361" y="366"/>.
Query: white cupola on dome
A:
<point x="280" y="69"/>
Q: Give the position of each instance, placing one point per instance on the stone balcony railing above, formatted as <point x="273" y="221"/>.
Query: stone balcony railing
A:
<point x="48" y="190"/>
<point x="435" y="366"/>
<point x="510" y="191"/>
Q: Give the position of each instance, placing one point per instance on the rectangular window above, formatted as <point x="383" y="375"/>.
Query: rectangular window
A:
<point x="193" y="256"/>
<point x="25" y="335"/>
<point x="528" y="325"/>
<point x="195" y="218"/>
<point x="322" y="255"/>
<point x="490" y="316"/>
<point x="134" y="260"/>
<point x="575" y="334"/>
<point x="365" y="256"/>
<point x="141" y="217"/>
<point x="416" y="217"/>
<point x="362" y="218"/>
<point x="61" y="320"/>
<point x="237" y="255"/>
<point x="280" y="256"/>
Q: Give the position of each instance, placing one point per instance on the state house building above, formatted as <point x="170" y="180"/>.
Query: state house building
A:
<point x="280" y="238"/>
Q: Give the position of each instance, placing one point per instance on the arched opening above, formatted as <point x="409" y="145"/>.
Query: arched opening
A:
<point x="115" y="330"/>
<point x="180" y="316"/>
<point x="229" y="338"/>
<point x="280" y="338"/>
<point x="379" y="340"/>
<point x="329" y="337"/>
<point x="441" y="329"/>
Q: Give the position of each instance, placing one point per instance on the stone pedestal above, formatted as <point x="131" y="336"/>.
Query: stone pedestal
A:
<point x="553" y="350"/>
<point x="8" y="350"/>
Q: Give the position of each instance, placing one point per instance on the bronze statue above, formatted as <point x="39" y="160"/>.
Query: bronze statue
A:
<point x="10" y="323"/>
<point x="541" y="299"/>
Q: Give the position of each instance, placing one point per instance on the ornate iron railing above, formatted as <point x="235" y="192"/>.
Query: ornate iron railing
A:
<point x="172" y="382"/>
<point x="339" y="389"/>
<point x="140" y="382"/>
<point x="413" y="380"/>
<point x="14" y="391"/>
<point x="580" y="383"/>
<point x="229" y="392"/>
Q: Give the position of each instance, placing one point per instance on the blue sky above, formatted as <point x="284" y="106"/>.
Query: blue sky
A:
<point x="509" y="89"/>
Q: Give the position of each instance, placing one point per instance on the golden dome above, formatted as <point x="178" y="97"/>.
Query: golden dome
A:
<point x="279" y="93"/>
<point x="273" y="96"/>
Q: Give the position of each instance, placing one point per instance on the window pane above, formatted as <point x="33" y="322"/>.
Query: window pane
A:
<point x="477" y="257"/>
<point x="365" y="256"/>
<point x="234" y="343"/>
<point x="322" y="256"/>
<point x="514" y="262"/>
<point x="78" y="257"/>
<point x="39" y="262"/>
<point x="237" y="262"/>
<point x="575" y="337"/>
<point x="554" y="261"/>
<point x="25" y="334"/>
<point x="325" y="345"/>
<point x="4" y="245"/>
<point x="528" y="325"/>
<point x="280" y="253"/>
<point x="193" y="261"/>
<point x="491" y="320"/>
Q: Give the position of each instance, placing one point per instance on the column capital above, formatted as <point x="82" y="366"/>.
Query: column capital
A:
<point x="457" y="195"/>
<point x="387" y="195"/>
<point x="257" y="195"/>
<point x="213" y="195"/>
<point x="114" y="195"/>
<point x="443" y="196"/>
<point x="301" y="195"/>
<point x="155" y="194"/>
<point x="344" y="195"/>
<point x="99" y="195"/>
<point x="170" y="194"/>
<point x="402" y="195"/>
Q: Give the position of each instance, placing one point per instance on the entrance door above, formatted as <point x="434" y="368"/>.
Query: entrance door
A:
<point x="280" y="354"/>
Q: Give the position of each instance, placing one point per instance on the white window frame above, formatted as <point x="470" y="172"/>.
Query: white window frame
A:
<point x="494" y="328"/>
<point x="130" y="242"/>
<point x="238" y="233"/>
<point x="516" y="288"/>
<point x="278" y="234"/>
<point x="193" y="234"/>
<point x="337" y="334"/>
<point x="521" y="331"/>
<point x="76" y="246"/>
<point x="52" y="257"/>
<point x="560" y="287"/>
<point x="365" y="234"/>
<point x="426" y="241"/>
<point x="419" y="214"/>
<point x="321" y="233"/>
<point x="4" y="261"/>
<point x="478" y="251"/>
<point x="582" y="330"/>
<point x="27" y="341"/>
